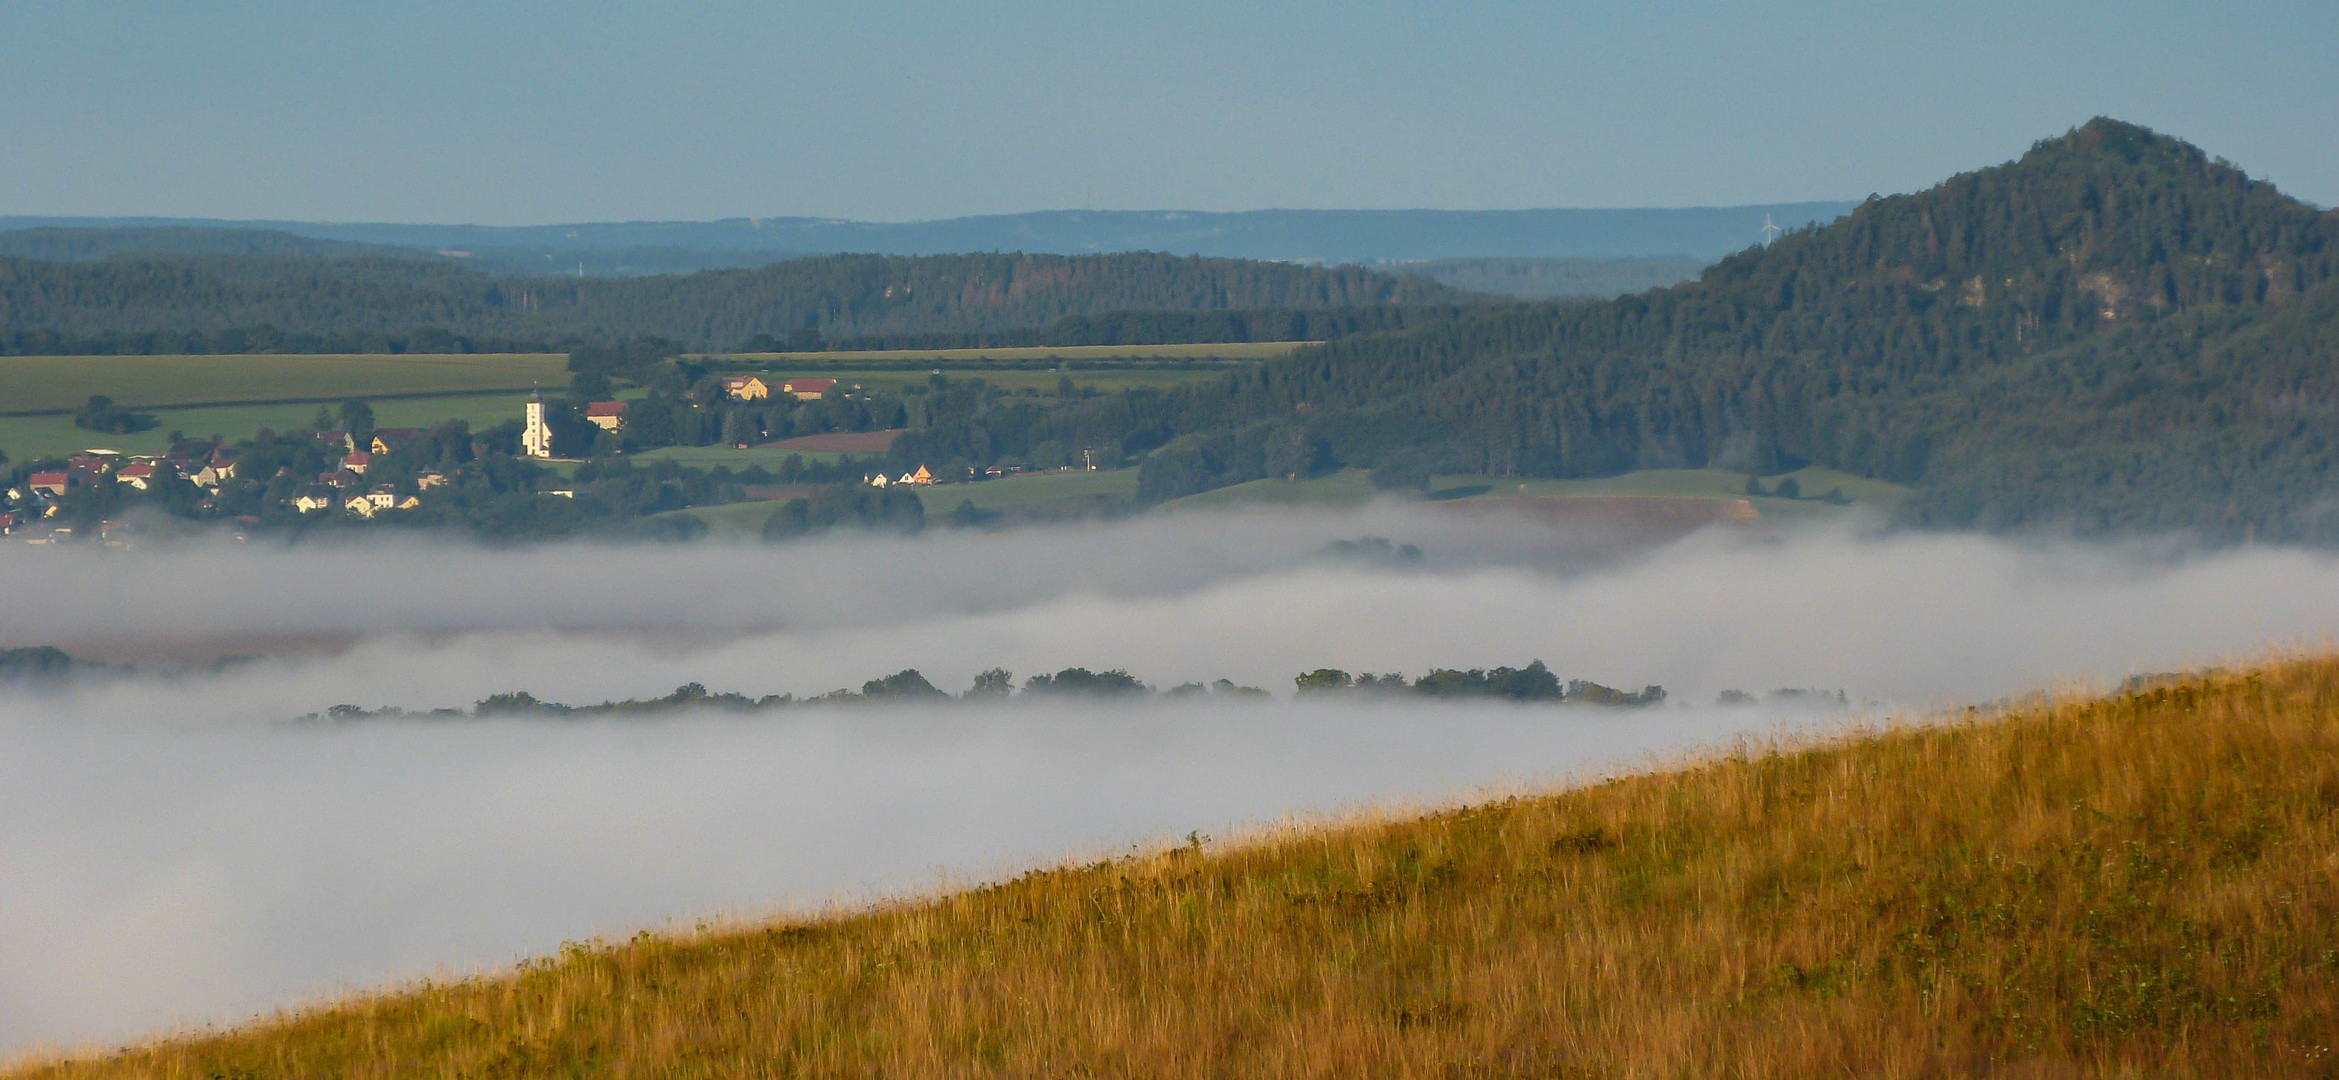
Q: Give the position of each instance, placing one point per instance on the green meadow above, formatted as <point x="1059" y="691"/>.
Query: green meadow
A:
<point x="1241" y="350"/>
<point x="37" y="383"/>
<point x="708" y="457"/>
<point x="1353" y="487"/>
<point x="234" y="396"/>
<point x="26" y="438"/>
<point x="1016" y="380"/>
<point x="1031" y="489"/>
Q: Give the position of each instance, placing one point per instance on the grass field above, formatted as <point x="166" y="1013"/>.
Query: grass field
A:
<point x="1253" y="350"/>
<point x="28" y="437"/>
<point x="2142" y="885"/>
<point x="33" y="383"/>
<point x="708" y="457"/>
<point x="1031" y="489"/>
<point x="730" y="520"/>
<point x="1103" y="380"/>
<point x="1353" y="487"/>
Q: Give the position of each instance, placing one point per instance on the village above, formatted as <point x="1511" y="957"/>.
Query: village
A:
<point x="367" y="473"/>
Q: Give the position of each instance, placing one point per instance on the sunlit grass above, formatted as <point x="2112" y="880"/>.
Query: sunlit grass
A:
<point x="2140" y="885"/>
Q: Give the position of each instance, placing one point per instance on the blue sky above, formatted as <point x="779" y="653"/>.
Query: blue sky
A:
<point x="513" y="113"/>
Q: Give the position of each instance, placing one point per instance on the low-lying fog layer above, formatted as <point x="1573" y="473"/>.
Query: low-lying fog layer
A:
<point x="187" y="876"/>
<point x="171" y="850"/>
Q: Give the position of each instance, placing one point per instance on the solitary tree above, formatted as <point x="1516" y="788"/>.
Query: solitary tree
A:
<point x="357" y="418"/>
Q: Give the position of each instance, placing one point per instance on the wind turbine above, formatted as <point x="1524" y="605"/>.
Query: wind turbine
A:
<point x="1770" y="230"/>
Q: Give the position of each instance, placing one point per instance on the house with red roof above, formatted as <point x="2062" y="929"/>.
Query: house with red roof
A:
<point x="746" y="388"/>
<point x="607" y="415"/>
<point x="807" y="389"/>
<point x="54" y="484"/>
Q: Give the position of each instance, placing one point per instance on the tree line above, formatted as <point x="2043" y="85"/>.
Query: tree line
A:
<point x="1533" y="684"/>
<point x="270" y="302"/>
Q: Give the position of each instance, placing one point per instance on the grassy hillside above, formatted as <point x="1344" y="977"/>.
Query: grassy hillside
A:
<point x="2141" y="885"/>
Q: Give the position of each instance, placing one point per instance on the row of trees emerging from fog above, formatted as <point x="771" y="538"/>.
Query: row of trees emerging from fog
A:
<point x="1534" y="683"/>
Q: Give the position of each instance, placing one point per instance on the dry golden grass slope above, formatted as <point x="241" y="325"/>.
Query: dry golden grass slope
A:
<point x="2139" y="886"/>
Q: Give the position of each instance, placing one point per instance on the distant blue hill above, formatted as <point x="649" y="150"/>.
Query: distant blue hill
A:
<point x="1317" y="236"/>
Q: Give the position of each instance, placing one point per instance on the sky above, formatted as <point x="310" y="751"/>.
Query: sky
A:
<point x="528" y="113"/>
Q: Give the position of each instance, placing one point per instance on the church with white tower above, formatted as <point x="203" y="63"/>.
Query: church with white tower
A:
<point x="536" y="439"/>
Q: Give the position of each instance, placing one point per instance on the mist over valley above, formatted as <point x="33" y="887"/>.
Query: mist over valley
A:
<point x="696" y="541"/>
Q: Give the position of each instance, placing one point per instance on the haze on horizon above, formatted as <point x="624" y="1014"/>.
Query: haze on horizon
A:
<point x="515" y="114"/>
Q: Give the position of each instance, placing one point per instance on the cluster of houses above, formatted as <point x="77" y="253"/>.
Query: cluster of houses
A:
<point x="923" y="476"/>
<point x="207" y="465"/>
<point x="750" y="388"/>
<point x="609" y="416"/>
<point x="347" y="489"/>
<point x="198" y="461"/>
<point x="30" y="506"/>
<point x="918" y="478"/>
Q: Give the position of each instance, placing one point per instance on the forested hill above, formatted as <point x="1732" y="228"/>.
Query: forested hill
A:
<point x="160" y="301"/>
<point x="2113" y="332"/>
<point x="64" y="244"/>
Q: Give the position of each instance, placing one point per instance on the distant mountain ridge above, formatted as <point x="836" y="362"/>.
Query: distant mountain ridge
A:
<point x="1311" y="236"/>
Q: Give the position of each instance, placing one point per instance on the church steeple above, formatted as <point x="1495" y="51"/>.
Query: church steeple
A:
<point x="536" y="438"/>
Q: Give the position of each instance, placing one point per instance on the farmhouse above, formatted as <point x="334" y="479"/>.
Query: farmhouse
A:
<point x="879" y="481"/>
<point x="218" y="470"/>
<point x="607" y="415"/>
<point x="50" y="483"/>
<point x="390" y="440"/>
<point x="357" y="462"/>
<point x="807" y="389"/>
<point x="137" y="476"/>
<point x="746" y="388"/>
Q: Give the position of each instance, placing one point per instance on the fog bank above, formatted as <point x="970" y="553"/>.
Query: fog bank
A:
<point x="172" y="850"/>
<point x="161" y="877"/>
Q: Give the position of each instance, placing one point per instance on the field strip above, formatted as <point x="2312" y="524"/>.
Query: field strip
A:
<point x="330" y="399"/>
<point x="1232" y="350"/>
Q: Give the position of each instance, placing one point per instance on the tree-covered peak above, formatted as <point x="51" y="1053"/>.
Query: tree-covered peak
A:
<point x="2134" y="222"/>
